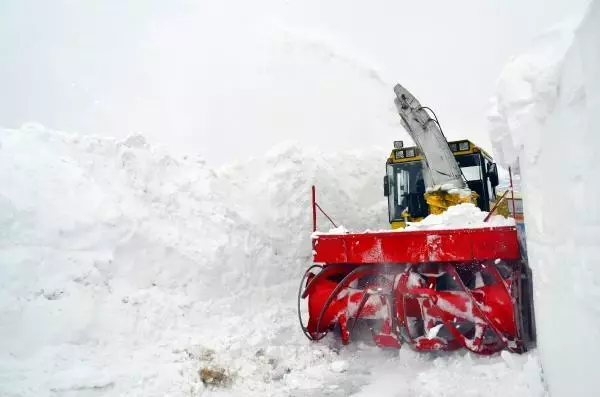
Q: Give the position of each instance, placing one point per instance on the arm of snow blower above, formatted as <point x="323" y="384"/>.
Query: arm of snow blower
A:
<point x="444" y="182"/>
<point x="439" y="163"/>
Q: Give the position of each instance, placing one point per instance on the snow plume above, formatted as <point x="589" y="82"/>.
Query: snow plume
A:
<point x="544" y="117"/>
<point x="126" y="271"/>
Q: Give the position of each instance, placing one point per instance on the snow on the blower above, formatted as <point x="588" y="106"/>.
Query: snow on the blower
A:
<point x="128" y="272"/>
<point x="545" y="124"/>
<point x="461" y="216"/>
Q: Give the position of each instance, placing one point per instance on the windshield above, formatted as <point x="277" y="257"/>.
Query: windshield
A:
<point x="407" y="186"/>
<point x="473" y="167"/>
<point x="406" y="190"/>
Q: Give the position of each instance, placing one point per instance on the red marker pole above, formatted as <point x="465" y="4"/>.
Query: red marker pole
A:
<point x="314" y="208"/>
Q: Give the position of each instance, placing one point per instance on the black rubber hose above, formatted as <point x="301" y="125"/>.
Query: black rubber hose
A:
<point x="304" y="330"/>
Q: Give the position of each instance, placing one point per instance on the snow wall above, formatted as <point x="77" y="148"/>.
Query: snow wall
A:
<point x="545" y="121"/>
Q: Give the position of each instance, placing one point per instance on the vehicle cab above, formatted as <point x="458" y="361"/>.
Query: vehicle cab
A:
<point x="404" y="185"/>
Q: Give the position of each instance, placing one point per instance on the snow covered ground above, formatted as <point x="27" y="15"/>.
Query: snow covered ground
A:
<point x="126" y="271"/>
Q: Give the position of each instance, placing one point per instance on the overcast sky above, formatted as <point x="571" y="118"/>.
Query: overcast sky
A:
<point x="229" y="78"/>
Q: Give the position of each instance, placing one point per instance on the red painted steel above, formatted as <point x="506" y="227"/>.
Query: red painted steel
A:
<point x="314" y="209"/>
<point x="413" y="247"/>
<point x="396" y="299"/>
<point x="412" y="294"/>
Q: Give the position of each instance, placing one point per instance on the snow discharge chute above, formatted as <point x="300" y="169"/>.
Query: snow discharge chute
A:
<point x="439" y="164"/>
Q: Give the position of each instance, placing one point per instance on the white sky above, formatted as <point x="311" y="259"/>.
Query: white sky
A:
<point x="229" y="78"/>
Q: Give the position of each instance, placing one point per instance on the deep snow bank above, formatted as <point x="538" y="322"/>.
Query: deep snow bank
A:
<point x="109" y="250"/>
<point x="122" y="266"/>
<point x="545" y="117"/>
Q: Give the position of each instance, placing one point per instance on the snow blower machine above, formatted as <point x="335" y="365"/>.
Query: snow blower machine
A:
<point x="435" y="288"/>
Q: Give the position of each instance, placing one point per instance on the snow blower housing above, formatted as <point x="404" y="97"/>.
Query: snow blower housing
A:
<point x="433" y="289"/>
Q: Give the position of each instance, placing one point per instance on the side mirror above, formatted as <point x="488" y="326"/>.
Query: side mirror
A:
<point x="386" y="186"/>
<point x="493" y="174"/>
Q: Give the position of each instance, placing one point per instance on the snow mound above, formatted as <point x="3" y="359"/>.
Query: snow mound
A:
<point x="275" y="191"/>
<point x="122" y="263"/>
<point x="462" y="216"/>
<point x="111" y="253"/>
<point x="544" y="120"/>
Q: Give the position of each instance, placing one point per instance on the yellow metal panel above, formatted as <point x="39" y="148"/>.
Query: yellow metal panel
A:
<point x="440" y="200"/>
<point x="398" y="225"/>
<point x="472" y="149"/>
<point x="407" y="160"/>
<point x="402" y="224"/>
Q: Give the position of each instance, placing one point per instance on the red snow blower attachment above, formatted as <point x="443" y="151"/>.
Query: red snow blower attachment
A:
<point x="442" y="289"/>
<point x="436" y="290"/>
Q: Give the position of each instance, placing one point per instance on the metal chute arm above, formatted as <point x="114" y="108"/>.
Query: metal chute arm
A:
<point x="440" y="166"/>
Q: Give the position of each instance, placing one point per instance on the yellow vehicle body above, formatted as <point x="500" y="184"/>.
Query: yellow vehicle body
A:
<point x="439" y="200"/>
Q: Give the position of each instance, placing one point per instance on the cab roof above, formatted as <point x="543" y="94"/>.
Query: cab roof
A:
<point x="412" y="153"/>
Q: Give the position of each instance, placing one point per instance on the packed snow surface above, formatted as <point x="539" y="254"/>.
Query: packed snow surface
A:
<point x="129" y="272"/>
<point x="545" y="121"/>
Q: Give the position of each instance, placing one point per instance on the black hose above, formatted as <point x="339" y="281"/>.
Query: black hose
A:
<point x="304" y="330"/>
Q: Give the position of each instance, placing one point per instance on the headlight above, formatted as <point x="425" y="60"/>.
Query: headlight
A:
<point x="463" y="146"/>
<point x="398" y="144"/>
<point x="454" y="147"/>
<point x="399" y="154"/>
<point x="410" y="152"/>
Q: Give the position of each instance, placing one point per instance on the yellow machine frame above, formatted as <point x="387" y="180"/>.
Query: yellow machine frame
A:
<point x="437" y="201"/>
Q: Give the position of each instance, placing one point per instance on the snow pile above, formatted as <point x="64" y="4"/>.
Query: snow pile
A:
<point x="462" y="216"/>
<point x="125" y="271"/>
<point x="545" y="117"/>
<point x="111" y="253"/>
<point x="274" y="191"/>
